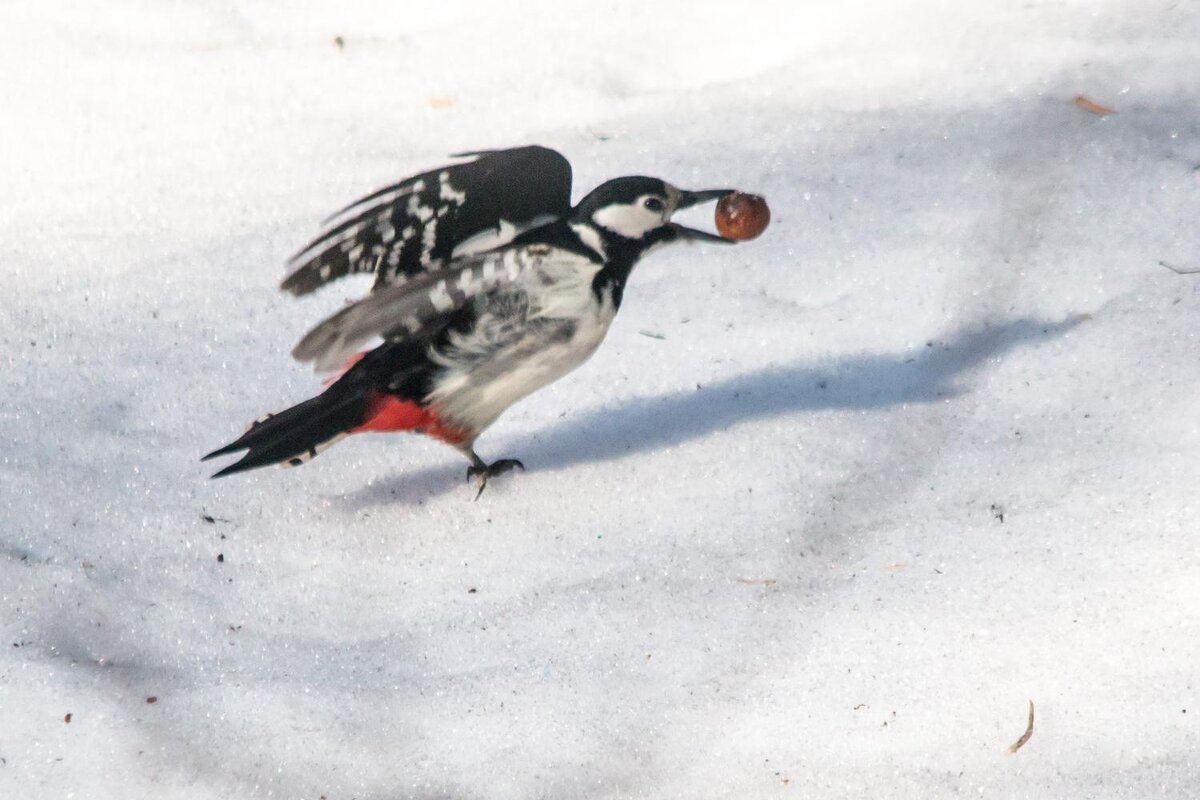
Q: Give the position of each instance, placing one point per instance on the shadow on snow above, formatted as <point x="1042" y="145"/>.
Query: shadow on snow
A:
<point x="872" y="381"/>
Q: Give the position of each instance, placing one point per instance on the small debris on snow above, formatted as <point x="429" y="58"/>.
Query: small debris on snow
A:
<point x="1180" y="270"/>
<point x="1019" y="743"/>
<point x="1094" y="107"/>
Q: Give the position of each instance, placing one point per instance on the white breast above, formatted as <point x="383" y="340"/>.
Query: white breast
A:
<point x="506" y="359"/>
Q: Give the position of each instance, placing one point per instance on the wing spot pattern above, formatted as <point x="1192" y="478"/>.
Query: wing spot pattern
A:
<point x="511" y="267"/>
<point x="418" y="210"/>
<point x="386" y="230"/>
<point x="467" y="283"/>
<point x="446" y="191"/>
<point x="428" y="239"/>
<point x="440" y="298"/>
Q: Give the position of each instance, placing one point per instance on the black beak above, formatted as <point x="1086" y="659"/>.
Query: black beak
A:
<point x="687" y="200"/>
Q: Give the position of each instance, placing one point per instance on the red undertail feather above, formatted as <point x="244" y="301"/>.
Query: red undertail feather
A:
<point x="387" y="413"/>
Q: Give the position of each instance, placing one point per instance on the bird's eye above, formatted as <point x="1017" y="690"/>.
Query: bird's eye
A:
<point x="654" y="204"/>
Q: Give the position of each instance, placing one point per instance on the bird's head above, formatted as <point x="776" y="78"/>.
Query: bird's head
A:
<point x="638" y="210"/>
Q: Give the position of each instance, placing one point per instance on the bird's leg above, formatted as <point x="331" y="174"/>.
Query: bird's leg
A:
<point x="482" y="470"/>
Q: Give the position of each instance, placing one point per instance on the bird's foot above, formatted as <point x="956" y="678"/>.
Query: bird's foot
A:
<point x="485" y="471"/>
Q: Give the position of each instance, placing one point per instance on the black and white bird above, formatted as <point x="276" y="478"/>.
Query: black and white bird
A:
<point x="489" y="286"/>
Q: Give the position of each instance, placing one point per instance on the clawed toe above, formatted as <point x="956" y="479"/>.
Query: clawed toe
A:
<point x="486" y="471"/>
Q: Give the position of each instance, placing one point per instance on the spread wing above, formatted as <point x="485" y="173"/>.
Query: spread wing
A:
<point x="416" y="308"/>
<point x="417" y="225"/>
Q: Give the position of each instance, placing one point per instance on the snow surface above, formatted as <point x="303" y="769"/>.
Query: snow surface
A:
<point x="925" y="451"/>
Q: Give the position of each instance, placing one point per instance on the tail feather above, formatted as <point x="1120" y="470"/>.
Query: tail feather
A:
<point x="296" y="434"/>
<point x="377" y="392"/>
<point x="247" y="439"/>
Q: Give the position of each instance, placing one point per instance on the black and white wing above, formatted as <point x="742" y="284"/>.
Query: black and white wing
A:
<point x="418" y="225"/>
<point x="417" y="308"/>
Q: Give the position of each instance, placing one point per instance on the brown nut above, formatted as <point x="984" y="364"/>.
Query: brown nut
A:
<point x="742" y="216"/>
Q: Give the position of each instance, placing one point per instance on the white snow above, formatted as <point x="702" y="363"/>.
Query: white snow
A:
<point x="925" y="451"/>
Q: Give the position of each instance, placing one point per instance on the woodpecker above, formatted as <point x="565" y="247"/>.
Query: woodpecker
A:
<point x="489" y="285"/>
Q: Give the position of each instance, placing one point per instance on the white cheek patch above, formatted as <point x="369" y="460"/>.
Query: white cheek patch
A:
<point x="632" y="220"/>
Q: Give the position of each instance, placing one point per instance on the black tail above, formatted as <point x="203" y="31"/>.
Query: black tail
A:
<point x="297" y="434"/>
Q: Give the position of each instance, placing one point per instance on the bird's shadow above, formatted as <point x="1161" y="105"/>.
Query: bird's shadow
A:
<point x="871" y="381"/>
